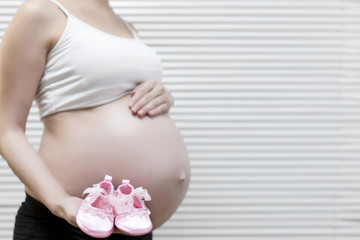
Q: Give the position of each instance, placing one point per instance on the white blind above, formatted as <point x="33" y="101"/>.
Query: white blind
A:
<point x="267" y="98"/>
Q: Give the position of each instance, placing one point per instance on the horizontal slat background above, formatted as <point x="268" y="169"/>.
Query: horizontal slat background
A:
<point x="267" y="98"/>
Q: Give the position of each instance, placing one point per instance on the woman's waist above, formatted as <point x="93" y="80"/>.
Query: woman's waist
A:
<point x="113" y="135"/>
<point x="81" y="146"/>
<point x="138" y="149"/>
<point x="79" y="166"/>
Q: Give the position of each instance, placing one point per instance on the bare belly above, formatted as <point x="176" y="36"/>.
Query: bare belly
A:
<point x="81" y="146"/>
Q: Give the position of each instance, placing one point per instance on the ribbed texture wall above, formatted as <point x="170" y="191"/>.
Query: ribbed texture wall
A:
<point x="267" y="98"/>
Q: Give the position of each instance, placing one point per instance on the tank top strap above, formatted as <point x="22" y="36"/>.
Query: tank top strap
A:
<point x="61" y="7"/>
<point x="130" y="28"/>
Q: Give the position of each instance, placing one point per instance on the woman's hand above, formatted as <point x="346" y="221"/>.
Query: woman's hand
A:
<point x="67" y="209"/>
<point x="151" y="98"/>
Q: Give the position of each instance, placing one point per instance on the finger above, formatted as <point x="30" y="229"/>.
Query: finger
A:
<point x="72" y="219"/>
<point x="141" y="90"/>
<point x="154" y="103"/>
<point x="158" y="110"/>
<point x="147" y="98"/>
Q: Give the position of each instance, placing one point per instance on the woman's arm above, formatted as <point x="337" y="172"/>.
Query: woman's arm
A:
<point x="22" y="60"/>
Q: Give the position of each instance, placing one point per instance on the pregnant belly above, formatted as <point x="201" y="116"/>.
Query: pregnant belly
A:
<point x="81" y="146"/>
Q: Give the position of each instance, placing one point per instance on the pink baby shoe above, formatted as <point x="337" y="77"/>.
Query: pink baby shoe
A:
<point x="132" y="216"/>
<point x="96" y="214"/>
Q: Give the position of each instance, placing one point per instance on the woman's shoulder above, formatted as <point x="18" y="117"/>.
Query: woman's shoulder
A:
<point x="35" y="20"/>
<point x="36" y="11"/>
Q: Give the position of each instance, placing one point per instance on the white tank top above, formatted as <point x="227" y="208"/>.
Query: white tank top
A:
<point x="88" y="67"/>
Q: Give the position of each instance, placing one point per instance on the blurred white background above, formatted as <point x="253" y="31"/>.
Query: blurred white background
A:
<point x="267" y="98"/>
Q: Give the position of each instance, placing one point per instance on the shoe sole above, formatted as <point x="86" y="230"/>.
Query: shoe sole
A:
<point x="94" y="233"/>
<point x="134" y="233"/>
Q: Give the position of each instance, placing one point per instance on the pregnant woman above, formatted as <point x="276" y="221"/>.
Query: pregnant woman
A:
<point x="104" y="110"/>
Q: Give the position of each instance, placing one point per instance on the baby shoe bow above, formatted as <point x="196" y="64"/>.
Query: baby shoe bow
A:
<point x="94" y="191"/>
<point x="121" y="204"/>
<point x="96" y="214"/>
